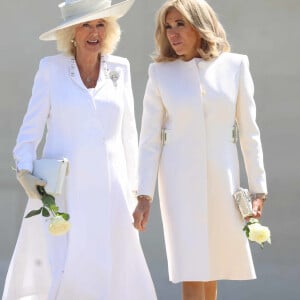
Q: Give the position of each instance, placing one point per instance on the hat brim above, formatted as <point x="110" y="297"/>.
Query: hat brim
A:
<point x="117" y="11"/>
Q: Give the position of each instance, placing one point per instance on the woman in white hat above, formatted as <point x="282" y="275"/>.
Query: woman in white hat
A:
<point x="84" y="98"/>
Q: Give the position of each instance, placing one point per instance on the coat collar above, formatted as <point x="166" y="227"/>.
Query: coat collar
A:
<point x="194" y="62"/>
<point x="104" y="73"/>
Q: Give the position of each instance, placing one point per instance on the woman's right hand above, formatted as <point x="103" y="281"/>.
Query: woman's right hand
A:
<point x="142" y="212"/>
<point x="30" y="183"/>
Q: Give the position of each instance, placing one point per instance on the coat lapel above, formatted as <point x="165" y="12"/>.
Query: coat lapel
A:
<point x="75" y="75"/>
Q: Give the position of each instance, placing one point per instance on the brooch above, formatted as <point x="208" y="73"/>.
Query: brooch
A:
<point x="114" y="76"/>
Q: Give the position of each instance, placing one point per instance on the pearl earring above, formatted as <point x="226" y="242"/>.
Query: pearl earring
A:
<point x="74" y="43"/>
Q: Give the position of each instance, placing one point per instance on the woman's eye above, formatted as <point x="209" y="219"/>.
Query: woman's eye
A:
<point x="85" y="25"/>
<point x="167" y="26"/>
<point x="100" y="25"/>
<point x="181" y="23"/>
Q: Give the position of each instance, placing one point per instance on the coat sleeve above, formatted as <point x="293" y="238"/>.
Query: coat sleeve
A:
<point x="129" y="132"/>
<point x="32" y="128"/>
<point x="150" y="137"/>
<point x="249" y="132"/>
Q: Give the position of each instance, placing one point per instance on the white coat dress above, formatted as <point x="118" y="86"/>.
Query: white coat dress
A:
<point x="101" y="257"/>
<point x="196" y="103"/>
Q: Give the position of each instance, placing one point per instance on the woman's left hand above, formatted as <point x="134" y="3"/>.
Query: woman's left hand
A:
<point x="257" y="207"/>
<point x="141" y="213"/>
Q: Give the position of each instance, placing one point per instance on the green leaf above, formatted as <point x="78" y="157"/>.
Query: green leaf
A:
<point x="247" y="230"/>
<point x="34" y="213"/>
<point x="45" y="212"/>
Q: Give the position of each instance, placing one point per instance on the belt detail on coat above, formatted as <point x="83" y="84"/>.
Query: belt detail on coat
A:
<point x="167" y="136"/>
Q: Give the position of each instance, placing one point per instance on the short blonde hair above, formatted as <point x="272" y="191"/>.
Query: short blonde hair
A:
<point x="202" y="18"/>
<point x="65" y="37"/>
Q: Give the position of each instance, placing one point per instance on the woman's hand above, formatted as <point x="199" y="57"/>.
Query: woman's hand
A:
<point x="141" y="212"/>
<point x="257" y="207"/>
<point x="30" y="183"/>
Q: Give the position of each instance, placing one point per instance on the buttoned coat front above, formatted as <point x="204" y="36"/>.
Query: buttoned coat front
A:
<point x="190" y="109"/>
<point x="101" y="257"/>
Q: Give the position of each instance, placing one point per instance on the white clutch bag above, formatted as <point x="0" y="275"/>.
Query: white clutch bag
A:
<point x="53" y="171"/>
<point x="243" y="200"/>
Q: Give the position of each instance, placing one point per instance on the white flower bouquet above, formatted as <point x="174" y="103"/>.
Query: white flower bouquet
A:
<point x="255" y="232"/>
<point x="59" y="221"/>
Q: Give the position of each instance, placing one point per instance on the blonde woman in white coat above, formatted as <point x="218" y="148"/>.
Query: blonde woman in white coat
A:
<point x="84" y="98"/>
<point x="195" y="94"/>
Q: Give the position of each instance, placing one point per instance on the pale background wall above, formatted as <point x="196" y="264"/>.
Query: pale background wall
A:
<point x="268" y="32"/>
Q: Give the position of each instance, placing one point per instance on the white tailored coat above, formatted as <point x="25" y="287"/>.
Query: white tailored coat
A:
<point x="196" y="103"/>
<point x="101" y="257"/>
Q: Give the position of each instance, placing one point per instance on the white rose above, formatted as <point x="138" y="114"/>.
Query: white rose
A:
<point x="59" y="226"/>
<point x="259" y="234"/>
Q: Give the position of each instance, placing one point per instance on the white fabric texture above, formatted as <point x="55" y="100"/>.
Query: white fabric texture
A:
<point x="197" y="102"/>
<point x="101" y="257"/>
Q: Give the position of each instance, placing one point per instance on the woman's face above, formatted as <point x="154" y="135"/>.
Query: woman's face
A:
<point x="183" y="38"/>
<point x="89" y="36"/>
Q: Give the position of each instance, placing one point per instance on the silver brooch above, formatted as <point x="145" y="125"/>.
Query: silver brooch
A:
<point x="114" y="76"/>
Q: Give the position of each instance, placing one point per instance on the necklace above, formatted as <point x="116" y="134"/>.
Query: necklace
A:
<point x="90" y="78"/>
<point x="90" y="82"/>
<point x="87" y="79"/>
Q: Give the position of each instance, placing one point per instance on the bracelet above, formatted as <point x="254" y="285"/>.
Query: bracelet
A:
<point x="261" y="196"/>
<point x="146" y="197"/>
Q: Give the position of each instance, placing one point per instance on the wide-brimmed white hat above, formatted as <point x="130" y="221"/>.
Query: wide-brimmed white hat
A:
<point x="78" y="11"/>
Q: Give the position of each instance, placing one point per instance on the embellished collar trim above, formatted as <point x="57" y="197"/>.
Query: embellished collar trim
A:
<point x="104" y="71"/>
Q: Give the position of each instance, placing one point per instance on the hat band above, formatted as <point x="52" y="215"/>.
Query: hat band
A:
<point x="82" y="7"/>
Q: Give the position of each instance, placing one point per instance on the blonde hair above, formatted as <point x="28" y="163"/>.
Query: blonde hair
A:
<point x="65" y="38"/>
<point x="202" y="18"/>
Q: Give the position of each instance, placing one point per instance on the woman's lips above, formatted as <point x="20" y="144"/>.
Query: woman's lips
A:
<point x="93" y="42"/>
